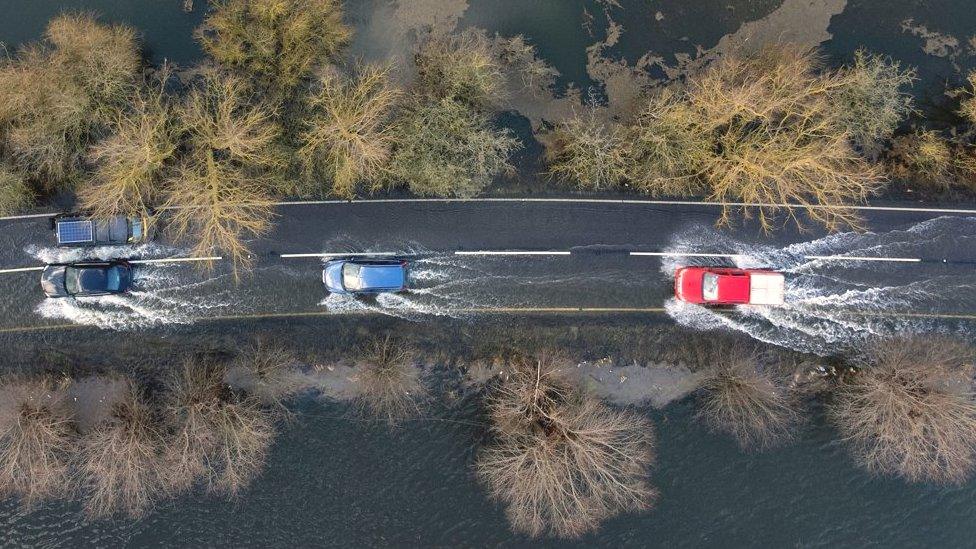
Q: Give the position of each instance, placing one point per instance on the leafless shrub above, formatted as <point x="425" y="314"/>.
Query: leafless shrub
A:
<point x="220" y="195"/>
<point x="909" y="410"/>
<point x="275" y="42"/>
<point x="347" y="139"/>
<point x="219" y="435"/>
<point x="130" y="162"/>
<point x="36" y="437"/>
<point x="533" y="72"/>
<point x="562" y="461"/>
<point x="587" y="151"/>
<point x="923" y="157"/>
<point x="967" y="108"/>
<point x="265" y="370"/>
<point x="741" y="398"/>
<point x="119" y="463"/>
<point x="461" y="67"/>
<point x="390" y="387"/>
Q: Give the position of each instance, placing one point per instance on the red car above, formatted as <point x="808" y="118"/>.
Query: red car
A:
<point x="728" y="286"/>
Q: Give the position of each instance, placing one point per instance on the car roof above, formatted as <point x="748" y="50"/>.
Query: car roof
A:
<point x="93" y="277"/>
<point x="733" y="287"/>
<point x="373" y="275"/>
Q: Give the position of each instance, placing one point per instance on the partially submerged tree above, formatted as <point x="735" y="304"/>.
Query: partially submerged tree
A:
<point x="221" y="193"/>
<point x="447" y="148"/>
<point x="220" y="435"/>
<point x="587" y="151"/>
<point x="119" y="463"/>
<point x="560" y="460"/>
<point x="924" y="158"/>
<point x="909" y="410"/>
<point x="276" y="42"/>
<point x="390" y="387"/>
<point x="36" y="437"/>
<point x="130" y="163"/>
<point x="347" y="139"/>
<point x="463" y="67"/>
<point x="740" y="397"/>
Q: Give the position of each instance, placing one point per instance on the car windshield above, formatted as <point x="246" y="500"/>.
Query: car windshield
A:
<point x="114" y="279"/>
<point x="350" y="277"/>
<point x="710" y="286"/>
<point x="72" y="280"/>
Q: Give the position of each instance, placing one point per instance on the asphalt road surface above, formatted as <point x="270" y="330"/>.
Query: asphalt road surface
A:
<point x="912" y="271"/>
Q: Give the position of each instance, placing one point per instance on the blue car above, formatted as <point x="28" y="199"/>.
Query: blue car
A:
<point x="86" y="279"/>
<point x="365" y="276"/>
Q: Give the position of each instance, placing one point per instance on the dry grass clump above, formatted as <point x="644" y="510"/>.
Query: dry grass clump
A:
<point x="967" y="108"/>
<point x="447" y="148"/>
<point x="390" y="387"/>
<point x="562" y="461"/>
<point x="119" y="463"/>
<point x="219" y="435"/>
<point x="462" y="67"/>
<point x="870" y="101"/>
<point x="15" y="193"/>
<point x="220" y="194"/>
<point x="347" y="139"/>
<point x="587" y="151"/>
<point x="923" y="157"/>
<point x="740" y="398"/>
<point x="909" y="410"/>
<point x="276" y="42"/>
<point x="130" y="162"/>
<point x="57" y="96"/>
<point x="36" y="437"/>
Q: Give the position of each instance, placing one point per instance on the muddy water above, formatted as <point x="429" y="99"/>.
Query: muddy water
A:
<point x="335" y="481"/>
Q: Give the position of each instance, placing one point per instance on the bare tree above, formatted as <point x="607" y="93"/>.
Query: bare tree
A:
<point x="389" y="380"/>
<point x="36" y="437"/>
<point x="562" y="461"/>
<point x="910" y="411"/>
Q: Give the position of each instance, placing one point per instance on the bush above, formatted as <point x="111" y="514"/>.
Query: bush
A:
<point x="560" y="460"/>
<point x="276" y="42"/>
<point x="923" y="157"/>
<point x="909" y="410"/>
<point x="462" y="67"/>
<point x="130" y="163"/>
<point x="740" y="398"/>
<point x="347" y="138"/>
<point x="967" y="108"/>
<point x="220" y="195"/>
<point x="220" y="436"/>
<point x="15" y="194"/>
<point x="119" y="463"/>
<point x="389" y="381"/>
<point x="36" y="436"/>
<point x="446" y="148"/>
<point x="587" y="151"/>
<point x="869" y="99"/>
<point x="57" y="97"/>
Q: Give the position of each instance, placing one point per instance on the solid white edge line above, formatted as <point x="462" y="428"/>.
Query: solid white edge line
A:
<point x="341" y="254"/>
<point x="29" y="216"/>
<point x="21" y="270"/>
<point x="684" y="254"/>
<point x="632" y="201"/>
<point x="861" y="258"/>
<point x="176" y="260"/>
<point x="510" y="253"/>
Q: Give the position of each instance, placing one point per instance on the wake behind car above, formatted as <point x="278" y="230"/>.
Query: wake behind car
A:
<point x="365" y="276"/>
<point x="729" y="286"/>
<point x="77" y="230"/>
<point x="87" y="279"/>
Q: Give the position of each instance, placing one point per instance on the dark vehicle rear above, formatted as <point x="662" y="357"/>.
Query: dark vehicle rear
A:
<point x="76" y="230"/>
<point x="87" y="279"/>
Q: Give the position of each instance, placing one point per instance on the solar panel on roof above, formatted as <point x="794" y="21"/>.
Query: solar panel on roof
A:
<point x="72" y="232"/>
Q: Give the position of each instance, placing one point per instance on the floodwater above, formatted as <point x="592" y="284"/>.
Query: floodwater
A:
<point x="336" y="481"/>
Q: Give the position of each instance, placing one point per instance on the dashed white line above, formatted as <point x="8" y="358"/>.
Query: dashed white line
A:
<point x="863" y="258"/>
<point x="21" y="270"/>
<point x="687" y="254"/>
<point x="511" y="252"/>
<point x="342" y="254"/>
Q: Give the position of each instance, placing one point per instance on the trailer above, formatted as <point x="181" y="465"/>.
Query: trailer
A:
<point x="76" y="230"/>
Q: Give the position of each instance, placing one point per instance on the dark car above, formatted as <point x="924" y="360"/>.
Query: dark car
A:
<point x="365" y="276"/>
<point x="77" y="230"/>
<point x="87" y="279"/>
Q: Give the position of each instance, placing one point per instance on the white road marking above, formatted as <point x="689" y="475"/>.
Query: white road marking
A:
<point x="506" y="252"/>
<point x="342" y="254"/>
<point x="21" y="270"/>
<point x="959" y="211"/>
<point x="687" y="254"/>
<point x="862" y="258"/>
<point x="176" y="260"/>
